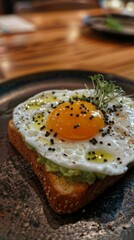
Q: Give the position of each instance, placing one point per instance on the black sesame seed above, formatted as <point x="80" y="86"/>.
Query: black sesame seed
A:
<point x="51" y="149"/>
<point x="91" y="117"/>
<point x="105" y="160"/>
<point x="41" y="128"/>
<point x="104" y="134"/>
<point x="93" y="158"/>
<point x="83" y="112"/>
<point x="82" y="105"/>
<point x="77" y="125"/>
<point x="93" y="141"/>
<point x="52" y="141"/>
<point x="47" y="134"/>
<point x="71" y="101"/>
<point x="65" y="154"/>
<point x="52" y="105"/>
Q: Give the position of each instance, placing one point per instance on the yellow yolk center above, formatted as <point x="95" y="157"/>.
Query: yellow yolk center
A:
<point x="76" y="120"/>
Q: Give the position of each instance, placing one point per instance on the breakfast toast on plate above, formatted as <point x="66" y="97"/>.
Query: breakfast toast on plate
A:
<point x="78" y="142"/>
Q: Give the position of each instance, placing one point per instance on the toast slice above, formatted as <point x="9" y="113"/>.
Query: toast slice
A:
<point x="64" y="196"/>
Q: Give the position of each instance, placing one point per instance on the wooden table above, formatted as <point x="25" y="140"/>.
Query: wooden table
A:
<point x="60" y="43"/>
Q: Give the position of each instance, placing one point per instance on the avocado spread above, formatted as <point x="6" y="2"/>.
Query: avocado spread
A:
<point x="71" y="174"/>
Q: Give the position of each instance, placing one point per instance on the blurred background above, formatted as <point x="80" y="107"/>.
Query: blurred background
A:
<point x="34" y="37"/>
<point x="22" y="6"/>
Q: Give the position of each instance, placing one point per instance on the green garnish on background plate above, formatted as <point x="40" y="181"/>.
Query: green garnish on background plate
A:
<point x="113" y="24"/>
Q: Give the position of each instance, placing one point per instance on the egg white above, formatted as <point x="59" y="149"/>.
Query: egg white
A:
<point x="73" y="154"/>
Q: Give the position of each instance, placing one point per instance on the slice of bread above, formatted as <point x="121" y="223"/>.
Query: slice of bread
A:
<point x="63" y="196"/>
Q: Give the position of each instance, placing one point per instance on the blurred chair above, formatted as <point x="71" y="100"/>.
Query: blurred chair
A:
<point x="55" y="5"/>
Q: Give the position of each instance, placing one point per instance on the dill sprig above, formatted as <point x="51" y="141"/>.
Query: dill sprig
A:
<point x="104" y="91"/>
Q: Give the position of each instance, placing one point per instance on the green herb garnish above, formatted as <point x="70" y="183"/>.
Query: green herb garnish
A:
<point x="113" y="24"/>
<point x="104" y="91"/>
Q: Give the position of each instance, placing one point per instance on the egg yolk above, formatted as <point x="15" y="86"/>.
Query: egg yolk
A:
<point x="75" y="120"/>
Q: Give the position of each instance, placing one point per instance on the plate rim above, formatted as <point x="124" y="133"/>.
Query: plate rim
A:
<point x="14" y="82"/>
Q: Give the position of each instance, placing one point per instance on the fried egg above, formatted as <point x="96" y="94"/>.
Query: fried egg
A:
<point x="73" y="133"/>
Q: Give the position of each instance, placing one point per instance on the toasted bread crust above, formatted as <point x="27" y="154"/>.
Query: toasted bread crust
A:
<point x="63" y="196"/>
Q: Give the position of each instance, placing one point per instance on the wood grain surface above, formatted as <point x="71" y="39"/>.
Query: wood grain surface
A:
<point x="61" y="42"/>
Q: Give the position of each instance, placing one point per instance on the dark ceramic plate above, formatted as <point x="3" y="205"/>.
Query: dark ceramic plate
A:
<point x="24" y="210"/>
<point x="97" y="24"/>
